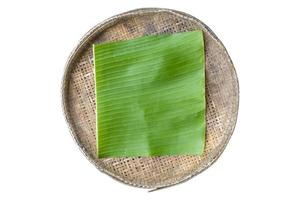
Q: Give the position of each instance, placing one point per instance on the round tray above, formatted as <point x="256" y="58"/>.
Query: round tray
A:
<point x="222" y="96"/>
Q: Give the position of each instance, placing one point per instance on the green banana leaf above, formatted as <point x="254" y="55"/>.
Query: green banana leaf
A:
<point x="150" y="96"/>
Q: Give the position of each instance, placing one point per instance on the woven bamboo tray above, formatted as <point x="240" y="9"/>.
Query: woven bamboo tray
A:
<point x="222" y="96"/>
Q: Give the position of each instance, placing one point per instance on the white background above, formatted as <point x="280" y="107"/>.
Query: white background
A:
<point x="38" y="157"/>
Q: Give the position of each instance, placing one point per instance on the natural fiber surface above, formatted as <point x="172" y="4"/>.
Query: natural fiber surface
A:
<point x="221" y="96"/>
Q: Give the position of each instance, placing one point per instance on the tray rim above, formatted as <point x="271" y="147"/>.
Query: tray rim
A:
<point x="106" y="24"/>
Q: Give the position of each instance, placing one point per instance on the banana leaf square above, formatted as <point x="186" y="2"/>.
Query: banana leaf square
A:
<point x="150" y="96"/>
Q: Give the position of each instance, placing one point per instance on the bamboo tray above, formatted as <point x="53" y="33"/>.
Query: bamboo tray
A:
<point x="222" y="96"/>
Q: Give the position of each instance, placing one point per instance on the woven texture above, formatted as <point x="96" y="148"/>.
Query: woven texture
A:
<point x="221" y="96"/>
